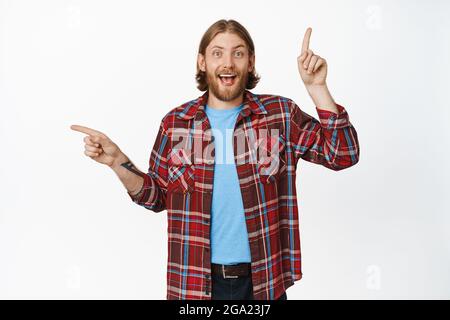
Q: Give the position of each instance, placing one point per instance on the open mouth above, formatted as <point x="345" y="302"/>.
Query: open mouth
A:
<point x="227" y="80"/>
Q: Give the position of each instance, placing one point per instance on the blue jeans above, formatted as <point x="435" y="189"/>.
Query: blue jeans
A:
<point x="234" y="289"/>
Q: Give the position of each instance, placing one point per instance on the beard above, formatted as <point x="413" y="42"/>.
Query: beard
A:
<point x="226" y="93"/>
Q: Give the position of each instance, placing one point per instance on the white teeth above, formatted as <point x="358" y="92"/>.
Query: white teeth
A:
<point x="226" y="75"/>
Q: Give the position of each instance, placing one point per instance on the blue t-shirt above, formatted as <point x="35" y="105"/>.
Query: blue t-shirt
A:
<point x="229" y="236"/>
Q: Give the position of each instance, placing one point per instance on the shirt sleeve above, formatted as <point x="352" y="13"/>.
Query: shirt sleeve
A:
<point x="152" y="195"/>
<point x="331" y="141"/>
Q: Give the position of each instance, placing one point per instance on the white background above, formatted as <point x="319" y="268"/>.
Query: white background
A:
<point x="378" y="230"/>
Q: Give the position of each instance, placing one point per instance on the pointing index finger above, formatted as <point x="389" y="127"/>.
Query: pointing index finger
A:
<point x="305" y="44"/>
<point x="86" y="130"/>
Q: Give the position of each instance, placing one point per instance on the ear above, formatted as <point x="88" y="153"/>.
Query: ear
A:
<point x="251" y="63"/>
<point x="201" y="62"/>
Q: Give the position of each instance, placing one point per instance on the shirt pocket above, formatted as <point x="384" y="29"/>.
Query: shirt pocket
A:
<point x="181" y="178"/>
<point x="181" y="173"/>
<point x="273" y="164"/>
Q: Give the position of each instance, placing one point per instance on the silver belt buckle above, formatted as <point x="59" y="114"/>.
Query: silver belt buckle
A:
<point x="225" y="276"/>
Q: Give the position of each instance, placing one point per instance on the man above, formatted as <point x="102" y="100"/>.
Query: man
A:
<point x="233" y="224"/>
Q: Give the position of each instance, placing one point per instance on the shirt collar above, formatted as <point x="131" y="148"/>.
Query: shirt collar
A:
<point x="251" y="104"/>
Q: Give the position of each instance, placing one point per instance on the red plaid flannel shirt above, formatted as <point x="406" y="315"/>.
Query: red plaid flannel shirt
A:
<point x="181" y="184"/>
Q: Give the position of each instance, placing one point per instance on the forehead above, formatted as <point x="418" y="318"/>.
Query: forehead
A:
<point x="226" y="40"/>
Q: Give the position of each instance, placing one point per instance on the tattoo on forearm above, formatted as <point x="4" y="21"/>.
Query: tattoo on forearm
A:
<point x="130" y="167"/>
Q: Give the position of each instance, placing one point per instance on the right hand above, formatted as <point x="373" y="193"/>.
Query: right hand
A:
<point x="98" y="146"/>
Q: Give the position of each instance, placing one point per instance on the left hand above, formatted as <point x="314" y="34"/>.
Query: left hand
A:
<point x="312" y="68"/>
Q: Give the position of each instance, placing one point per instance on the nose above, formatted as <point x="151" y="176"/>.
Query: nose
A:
<point x="228" y="60"/>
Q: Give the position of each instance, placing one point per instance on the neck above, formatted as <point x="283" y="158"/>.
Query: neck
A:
<point x="216" y="103"/>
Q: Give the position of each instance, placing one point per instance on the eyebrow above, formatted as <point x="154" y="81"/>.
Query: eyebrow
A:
<point x="240" y="45"/>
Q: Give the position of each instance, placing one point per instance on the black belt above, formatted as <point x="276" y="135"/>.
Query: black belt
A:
<point x="231" y="271"/>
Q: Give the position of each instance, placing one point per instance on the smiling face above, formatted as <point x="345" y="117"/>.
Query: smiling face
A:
<point x="227" y="63"/>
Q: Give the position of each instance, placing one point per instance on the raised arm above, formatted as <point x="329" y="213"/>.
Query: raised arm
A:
<point x="331" y="140"/>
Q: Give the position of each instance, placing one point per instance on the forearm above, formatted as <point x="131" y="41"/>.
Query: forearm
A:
<point x="128" y="174"/>
<point x="331" y="141"/>
<point x="322" y="98"/>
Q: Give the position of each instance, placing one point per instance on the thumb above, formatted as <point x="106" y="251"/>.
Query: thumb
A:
<point x="97" y="140"/>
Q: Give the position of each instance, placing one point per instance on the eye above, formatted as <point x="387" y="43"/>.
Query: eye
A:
<point x="239" y="53"/>
<point x="216" y="53"/>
